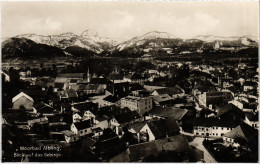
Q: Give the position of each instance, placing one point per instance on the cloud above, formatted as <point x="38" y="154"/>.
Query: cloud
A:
<point x="41" y="25"/>
<point x="192" y="25"/>
<point x="124" y="19"/>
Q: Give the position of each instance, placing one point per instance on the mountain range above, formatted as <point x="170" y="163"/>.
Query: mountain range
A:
<point x="89" y="43"/>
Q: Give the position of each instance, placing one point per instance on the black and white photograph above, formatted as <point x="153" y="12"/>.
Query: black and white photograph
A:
<point x="130" y="81"/>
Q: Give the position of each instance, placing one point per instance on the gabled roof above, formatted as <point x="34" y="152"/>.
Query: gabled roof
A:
<point x="176" y="143"/>
<point x="250" y="83"/>
<point x="98" y="81"/>
<point x="60" y="80"/>
<point x="22" y="94"/>
<point x="72" y="94"/>
<point x="43" y="108"/>
<point x="112" y="99"/>
<point x="159" y="99"/>
<point x="71" y="75"/>
<point x="82" y="124"/>
<point x="85" y="106"/>
<point x="170" y="90"/>
<point x="135" y="86"/>
<point x="227" y="108"/>
<point x="137" y="126"/>
<point x="176" y="113"/>
<point x="88" y="87"/>
<point x="73" y="80"/>
<point x="252" y="117"/>
<point x="134" y="76"/>
<point x="127" y="117"/>
<point x="88" y="142"/>
<point x="162" y="127"/>
<point x="243" y="131"/>
<point x="58" y="85"/>
<point x="212" y="121"/>
<point x="34" y="93"/>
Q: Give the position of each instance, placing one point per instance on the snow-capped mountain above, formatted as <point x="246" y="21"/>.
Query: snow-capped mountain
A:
<point x="154" y="42"/>
<point x="235" y="40"/>
<point x="89" y="40"/>
<point x="139" y="41"/>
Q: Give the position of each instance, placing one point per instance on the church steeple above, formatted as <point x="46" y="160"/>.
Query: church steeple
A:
<point x="88" y="76"/>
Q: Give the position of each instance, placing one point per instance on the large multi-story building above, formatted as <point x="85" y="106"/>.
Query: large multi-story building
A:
<point x="210" y="99"/>
<point x="140" y="104"/>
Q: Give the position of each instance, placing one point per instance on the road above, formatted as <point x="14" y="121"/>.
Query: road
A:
<point x="197" y="142"/>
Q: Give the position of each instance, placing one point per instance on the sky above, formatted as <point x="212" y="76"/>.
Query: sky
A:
<point x="125" y="20"/>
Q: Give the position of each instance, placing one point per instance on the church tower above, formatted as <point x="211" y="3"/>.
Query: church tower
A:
<point x="88" y="76"/>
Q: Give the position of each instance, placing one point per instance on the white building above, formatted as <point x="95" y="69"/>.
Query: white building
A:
<point x="140" y="104"/>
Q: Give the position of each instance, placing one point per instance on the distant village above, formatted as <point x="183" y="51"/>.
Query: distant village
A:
<point x="210" y="114"/>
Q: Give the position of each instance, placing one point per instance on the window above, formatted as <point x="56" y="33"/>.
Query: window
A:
<point x="213" y="128"/>
<point x="207" y="129"/>
<point x="217" y="128"/>
<point x="202" y="128"/>
<point x="216" y="134"/>
<point x="222" y="128"/>
<point x="222" y="134"/>
<point x="213" y="134"/>
<point x="227" y="128"/>
<point x="202" y="134"/>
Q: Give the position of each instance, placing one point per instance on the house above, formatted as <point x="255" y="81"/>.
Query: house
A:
<point x="60" y="84"/>
<point x="116" y="78"/>
<point x="249" y="85"/>
<point x="150" y="88"/>
<point x="136" y="153"/>
<point x="44" y="109"/>
<point x="99" y="81"/>
<point x="200" y="86"/>
<point x="90" y="89"/>
<point x="88" y="144"/>
<point x="230" y="112"/>
<point x="78" y="76"/>
<point x="156" y="129"/>
<point x="70" y="136"/>
<point x="68" y="95"/>
<point x="118" y="121"/>
<point x="135" y="129"/>
<point x="101" y="122"/>
<point x="252" y="120"/>
<point x="22" y="101"/>
<point x="242" y="135"/>
<point x="134" y="78"/>
<point x="140" y="104"/>
<point x="212" y="127"/>
<point x="72" y="82"/>
<point x="37" y="120"/>
<point x="83" y="106"/>
<point x="176" y="113"/>
<point x="97" y="132"/>
<point x="152" y="72"/>
<point x="6" y="76"/>
<point x="110" y="100"/>
<point x="211" y="99"/>
<point x="173" y="92"/>
<point x="76" y="117"/>
<point x="165" y="100"/>
<point x="118" y="89"/>
<point x="81" y="128"/>
<point x="244" y="106"/>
